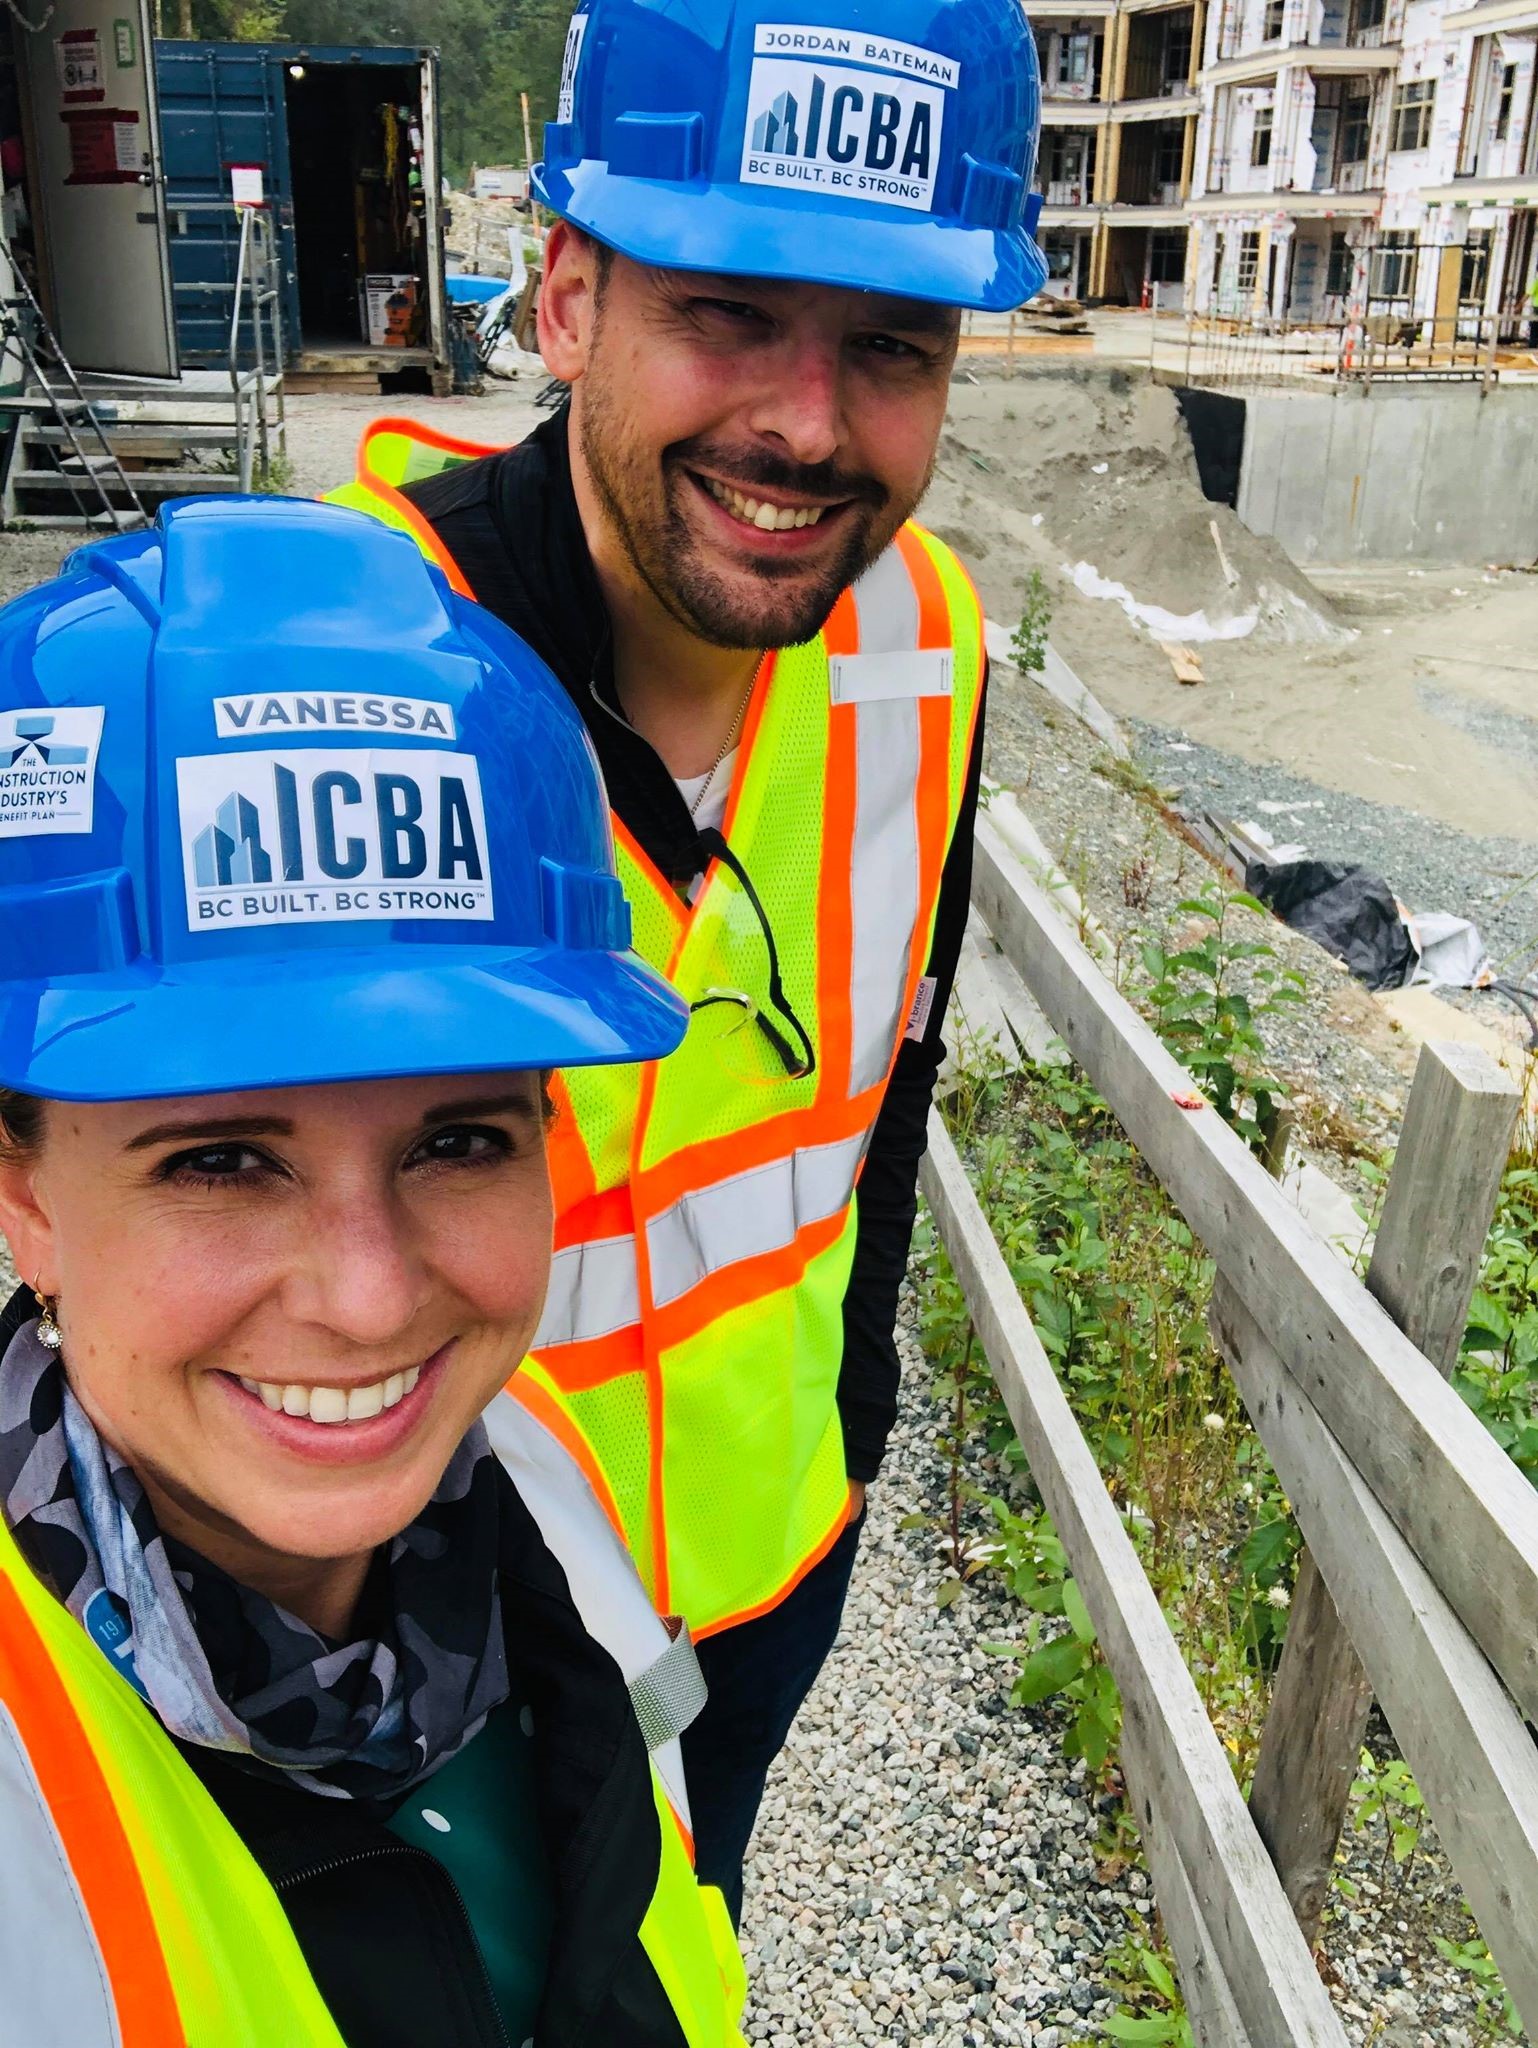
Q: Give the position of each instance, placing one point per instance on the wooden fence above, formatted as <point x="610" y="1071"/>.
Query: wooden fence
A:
<point x="1420" y="1582"/>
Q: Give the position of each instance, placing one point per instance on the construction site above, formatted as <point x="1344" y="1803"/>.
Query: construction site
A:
<point x="1186" y="1685"/>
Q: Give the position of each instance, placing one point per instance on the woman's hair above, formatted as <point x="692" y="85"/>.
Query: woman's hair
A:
<point x="21" y="1123"/>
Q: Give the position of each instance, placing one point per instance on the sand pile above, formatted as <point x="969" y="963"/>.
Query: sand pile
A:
<point x="1100" y="463"/>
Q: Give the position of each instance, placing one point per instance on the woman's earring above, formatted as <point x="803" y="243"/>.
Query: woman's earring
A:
<point x="48" y="1332"/>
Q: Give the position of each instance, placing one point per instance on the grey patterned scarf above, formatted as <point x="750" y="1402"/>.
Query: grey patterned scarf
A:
<point x="221" y="1665"/>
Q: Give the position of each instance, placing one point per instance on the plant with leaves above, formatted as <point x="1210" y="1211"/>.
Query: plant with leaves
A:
<point x="1028" y="642"/>
<point x="1152" y="2011"/>
<point x="1209" y="1021"/>
<point x="1495" y="2012"/>
<point x="1387" y="1793"/>
<point x="1497" y="1372"/>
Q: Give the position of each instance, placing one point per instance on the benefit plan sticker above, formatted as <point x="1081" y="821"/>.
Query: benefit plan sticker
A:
<point x="327" y="834"/>
<point x="48" y="769"/>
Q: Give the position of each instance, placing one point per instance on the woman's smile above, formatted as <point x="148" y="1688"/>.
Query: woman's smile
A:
<point x="327" y="1423"/>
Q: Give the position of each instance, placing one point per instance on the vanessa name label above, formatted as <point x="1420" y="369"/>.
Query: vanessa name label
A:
<point x="310" y="711"/>
<point x="48" y="769"/>
<point x="332" y="834"/>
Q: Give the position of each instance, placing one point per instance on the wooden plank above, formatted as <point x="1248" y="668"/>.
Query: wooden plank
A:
<point x="1186" y="1775"/>
<point x="1185" y="661"/>
<point x="1458" y="1499"/>
<point x="1453" y="1148"/>
<point x="1210" y="2009"/>
<point x="1468" y="1745"/>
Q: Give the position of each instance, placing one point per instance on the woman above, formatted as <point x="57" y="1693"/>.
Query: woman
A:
<point x="314" y="1723"/>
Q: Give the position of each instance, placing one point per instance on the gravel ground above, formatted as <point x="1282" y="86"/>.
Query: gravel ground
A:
<point x="928" y="1865"/>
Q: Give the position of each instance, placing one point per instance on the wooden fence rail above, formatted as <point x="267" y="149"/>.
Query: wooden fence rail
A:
<point x="1422" y="1530"/>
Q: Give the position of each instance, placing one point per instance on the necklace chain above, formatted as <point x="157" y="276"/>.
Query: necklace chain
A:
<point x="726" y="748"/>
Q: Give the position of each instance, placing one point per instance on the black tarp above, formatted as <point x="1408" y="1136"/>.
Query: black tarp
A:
<point x="1351" y="913"/>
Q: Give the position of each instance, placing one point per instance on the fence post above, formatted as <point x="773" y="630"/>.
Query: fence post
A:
<point x="1453" y="1149"/>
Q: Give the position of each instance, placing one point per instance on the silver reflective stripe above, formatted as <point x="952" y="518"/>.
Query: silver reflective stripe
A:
<point x="593" y="1292"/>
<point x="671" y="1696"/>
<point x="884" y="882"/>
<point x="54" y="1991"/>
<point x="748" y="1214"/>
<point x="887" y="605"/>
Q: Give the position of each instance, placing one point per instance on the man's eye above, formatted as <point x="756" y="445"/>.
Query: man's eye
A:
<point x="892" y="347"/>
<point x="732" y="309"/>
<point x="211" y="1165"/>
<point x="462" y="1144"/>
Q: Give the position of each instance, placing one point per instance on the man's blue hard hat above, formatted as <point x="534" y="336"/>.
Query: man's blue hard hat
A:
<point x="278" y="806"/>
<point x="886" y="147"/>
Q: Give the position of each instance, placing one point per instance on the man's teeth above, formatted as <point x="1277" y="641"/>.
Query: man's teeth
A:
<point x="335" y="1404"/>
<point x="768" y="518"/>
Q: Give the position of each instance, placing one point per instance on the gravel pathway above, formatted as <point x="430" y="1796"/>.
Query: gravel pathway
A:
<point x="924" y="1867"/>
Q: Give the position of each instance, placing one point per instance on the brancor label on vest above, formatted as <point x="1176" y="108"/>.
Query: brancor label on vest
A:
<point x="923" y="1003"/>
<point x="48" y="769"/>
<point x="881" y="678"/>
<point x="816" y="123"/>
<point x="286" y="711"/>
<point x="329" y="833"/>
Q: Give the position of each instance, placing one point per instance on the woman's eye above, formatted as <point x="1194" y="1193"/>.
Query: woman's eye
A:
<point x="211" y="1165"/>
<point x="462" y="1144"/>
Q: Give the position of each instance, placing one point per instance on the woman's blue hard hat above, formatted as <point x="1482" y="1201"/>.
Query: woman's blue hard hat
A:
<point x="889" y="148"/>
<point x="278" y="806"/>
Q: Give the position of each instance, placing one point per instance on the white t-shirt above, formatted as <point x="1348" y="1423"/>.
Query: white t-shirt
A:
<point x="713" y="809"/>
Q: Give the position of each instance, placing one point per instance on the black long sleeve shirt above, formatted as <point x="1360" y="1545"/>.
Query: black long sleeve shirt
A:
<point x="511" y="522"/>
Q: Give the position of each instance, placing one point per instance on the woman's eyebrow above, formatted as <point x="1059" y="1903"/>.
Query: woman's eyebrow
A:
<point x="214" y="1127"/>
<point x="482" y="1105"/>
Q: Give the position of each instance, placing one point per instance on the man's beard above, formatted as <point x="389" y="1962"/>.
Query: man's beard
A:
<point x="781" y="607"/>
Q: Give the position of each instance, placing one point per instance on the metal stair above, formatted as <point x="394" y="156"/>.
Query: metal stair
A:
<point x="85" y="448"/>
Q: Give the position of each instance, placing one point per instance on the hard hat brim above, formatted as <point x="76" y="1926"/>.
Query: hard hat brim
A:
<point x="753" y="231"/>
<point x="285" y="1020"/>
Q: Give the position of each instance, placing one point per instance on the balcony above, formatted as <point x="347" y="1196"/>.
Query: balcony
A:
<point x="1325" y="60"/>
<point x="1490" y="17"/>
<point x="1067" y="192"/>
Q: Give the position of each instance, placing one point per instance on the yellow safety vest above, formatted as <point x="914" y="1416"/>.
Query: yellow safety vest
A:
<point x="706" y="1203"/>
<point x="137" y="1918"/>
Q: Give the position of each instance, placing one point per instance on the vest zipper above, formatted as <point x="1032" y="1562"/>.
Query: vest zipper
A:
<point x="336" y="1863"/>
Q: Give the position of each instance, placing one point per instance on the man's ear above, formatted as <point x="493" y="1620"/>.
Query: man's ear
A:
<point x="27" y="1225"/>
<point x="567" y="297"/>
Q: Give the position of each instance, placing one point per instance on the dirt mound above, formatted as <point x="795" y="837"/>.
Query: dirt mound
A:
<point x="1100" y="463"/>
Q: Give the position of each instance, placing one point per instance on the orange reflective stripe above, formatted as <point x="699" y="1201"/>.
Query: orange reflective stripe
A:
<point x="571" y="1167"/>
<point x="548" y="1412"/>
<point x="101" y="1863"/>
<point x="413" y="430"/>
<point x="422" y="531"/>
<point x="667" y="895"/>
<point x="604" y="1212"/>
<point x="934" y="613"/>
<point x="578" y="1367"/>
<point x="656" y="1502"/>
<point x="752" y="719"/>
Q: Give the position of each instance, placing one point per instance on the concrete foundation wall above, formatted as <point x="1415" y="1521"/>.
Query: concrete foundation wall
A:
<point x="1429" y="473"/>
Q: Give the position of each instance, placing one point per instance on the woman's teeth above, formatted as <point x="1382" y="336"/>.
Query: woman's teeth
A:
<point x="766" y="517"/>
<point x="335" y="1404"/>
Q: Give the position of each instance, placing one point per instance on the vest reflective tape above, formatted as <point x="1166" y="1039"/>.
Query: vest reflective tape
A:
<point x="592" y="1293"/>
<point x="891" y="663"/>
<point x="759" y="1211"/>
<point x="602" y="1579"/>
<point x="54" y="1991"/>
<point x="885" y="863"/>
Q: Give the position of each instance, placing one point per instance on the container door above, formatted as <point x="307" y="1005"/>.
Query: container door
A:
<point x="432" y="211"/>
<point x="90" y="81"/>
<point x="221" y="109"/>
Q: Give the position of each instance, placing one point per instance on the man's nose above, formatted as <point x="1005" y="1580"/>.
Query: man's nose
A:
<point x="801" y="406"/>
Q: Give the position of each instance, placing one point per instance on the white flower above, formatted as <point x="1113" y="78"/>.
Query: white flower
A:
<point x="1214" y="1423"/>
<point x="1278" y="1596"/>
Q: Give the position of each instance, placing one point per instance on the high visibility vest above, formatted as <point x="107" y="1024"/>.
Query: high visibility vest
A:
<point x="133" y="1914"/>
<point x="705" y="1204"/>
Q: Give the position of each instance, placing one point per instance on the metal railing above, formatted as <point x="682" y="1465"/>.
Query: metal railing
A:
<point x="257" y="294"/>
<point x="1381" y="345"/>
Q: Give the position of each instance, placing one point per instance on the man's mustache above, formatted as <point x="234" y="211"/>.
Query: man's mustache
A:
<point x="759" y="466"/>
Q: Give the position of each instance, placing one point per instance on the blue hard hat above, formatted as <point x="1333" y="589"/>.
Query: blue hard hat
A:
<point x="886" y="147"/>
<point x="278" y="806"/>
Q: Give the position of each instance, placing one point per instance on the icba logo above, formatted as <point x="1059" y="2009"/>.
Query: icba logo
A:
<point x="332" y="833"/>
<point x="815" y="120"/>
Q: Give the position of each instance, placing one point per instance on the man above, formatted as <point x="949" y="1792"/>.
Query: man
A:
<point x="766" y="231"/>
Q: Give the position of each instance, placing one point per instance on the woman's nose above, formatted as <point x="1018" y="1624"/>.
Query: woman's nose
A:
<point x="361" y="1274"/>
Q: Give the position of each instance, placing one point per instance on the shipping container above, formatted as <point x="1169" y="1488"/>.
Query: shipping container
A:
<point x="343" y="145"/>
